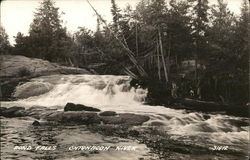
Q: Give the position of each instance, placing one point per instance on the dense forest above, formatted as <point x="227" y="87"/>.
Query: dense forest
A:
<point x="177" y="48"/>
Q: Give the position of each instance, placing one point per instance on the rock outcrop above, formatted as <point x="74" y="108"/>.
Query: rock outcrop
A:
<point x="30" y="89"/>
<point x="74" y="118"/>
<point x="13" y="112"/>
<point x="74" y="114"/>
<point x="108" y="113"/>
<point x="15" y="69"/>
<point x="79" y="107"/>
<point x="19" y="66"/>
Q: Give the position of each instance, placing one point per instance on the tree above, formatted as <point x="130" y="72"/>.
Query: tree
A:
<point x="22" y="45"/>
<point x="180" y="29"/>
<point x="4" y="42"/>
<point x="220" y="52"/>
<point x="200" y="26"/>
<point x="116" y="15"/>
<point x="49" y="38"/>
<point x="243" y="27"/>
<point x="242" y="52"/>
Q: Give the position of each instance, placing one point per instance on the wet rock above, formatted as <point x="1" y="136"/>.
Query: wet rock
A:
<point x="79" y="107"/>
<point x="39" y="112"/>
<point x="36" y="123"/>
<point x="108" y="113"/>
<point x="134" y="133"/>
<point x="156" y="123"/>
<point x="74" y="117"/>
<point x="125" y="119"/>
<point x="2" y="109"/>
<point x="239" y="123"/>
<point x="13" y="112"/>
<point x="31" y="89"/>
<point x="111" y="130"/>
<point x="206" y="116"/>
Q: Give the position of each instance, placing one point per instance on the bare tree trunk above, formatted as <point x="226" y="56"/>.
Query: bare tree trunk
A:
<point x="129" y="53"/>
<point x="196" y="64"/>
<point x="70" y="62"/>
<point x="163" y="59"/>
<point x="158" y="61"/>
<point x="136" y="39"/>
<point x="169" y="52"/>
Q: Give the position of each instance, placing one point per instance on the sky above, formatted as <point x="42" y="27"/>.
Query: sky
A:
<point x="17" y="15"/>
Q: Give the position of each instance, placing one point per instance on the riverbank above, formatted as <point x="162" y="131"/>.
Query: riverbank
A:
<point x="159" y="95"/>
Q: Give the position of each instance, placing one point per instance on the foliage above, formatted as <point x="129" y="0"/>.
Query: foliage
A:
<point x="160" y="37"/>
<point x="4" y="42"/>
<point x="47" y="38"/>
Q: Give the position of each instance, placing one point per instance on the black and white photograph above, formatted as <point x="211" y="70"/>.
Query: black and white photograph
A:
<point x="124" y="79"/>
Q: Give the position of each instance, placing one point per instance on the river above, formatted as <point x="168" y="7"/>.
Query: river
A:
<point x="114" y="93"/>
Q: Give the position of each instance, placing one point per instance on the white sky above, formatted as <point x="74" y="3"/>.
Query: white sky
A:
<point x="17" y="15"/>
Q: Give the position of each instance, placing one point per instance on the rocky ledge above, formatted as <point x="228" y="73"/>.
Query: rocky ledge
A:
<point x="74" y="114"/>
<point x="15" y="69"/>
<point x="19" y="66"/>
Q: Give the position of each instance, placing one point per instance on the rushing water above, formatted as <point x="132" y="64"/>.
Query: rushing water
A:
<point x="114" y="93"/>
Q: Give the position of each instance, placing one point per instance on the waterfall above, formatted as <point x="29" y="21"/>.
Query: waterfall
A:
<point x="108" y="92"/>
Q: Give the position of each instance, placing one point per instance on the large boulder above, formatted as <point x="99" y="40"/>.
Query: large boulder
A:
<point x="31" y="89"/>
<point x="108" y="113"/>
<point x="13" y="112"/>
<point x="125" y="119"/>
<point x="79" y="107"/>
<point x="74" y="117"/>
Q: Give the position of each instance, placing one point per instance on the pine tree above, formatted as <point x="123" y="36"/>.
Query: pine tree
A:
<point x="49" y="38"/>
<point x="22" y="45"/>
<point x="116" y="15"/>
<point x="4" y="42"/>
<point x="180" y="30"/>
<point x="200" y="27"/>
<point x="244" y="27"/>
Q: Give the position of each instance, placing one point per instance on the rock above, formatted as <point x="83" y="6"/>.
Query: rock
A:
<point x="31" y="89"/>
<point x="39" y="112"/>
<point x="36" y="123"/>
<point x="13" y="112"/>
<point x="74" y="117"/>
<point x="15" y="69"/>
<point x="134" y="133"/>
<point x="108" y="113"/>
<point x="2" y="109"/>
<point x="206" y="116"/>
<point x="79" y="107"/>
<point x="125" y="119"/>
<point x="156" y="123"/>
<point x="16" y="66"/>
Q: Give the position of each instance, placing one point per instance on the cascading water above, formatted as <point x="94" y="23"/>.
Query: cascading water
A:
<point x="114" y="93"/>
<point x="86" y="89"/>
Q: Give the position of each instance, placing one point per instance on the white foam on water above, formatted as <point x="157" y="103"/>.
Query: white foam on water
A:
<point x="108" y="92"/>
